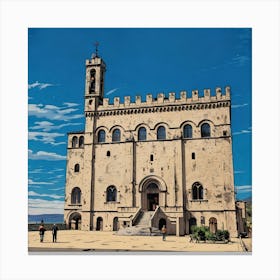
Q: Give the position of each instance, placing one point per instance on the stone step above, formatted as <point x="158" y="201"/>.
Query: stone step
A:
<point x="139" y="230"/>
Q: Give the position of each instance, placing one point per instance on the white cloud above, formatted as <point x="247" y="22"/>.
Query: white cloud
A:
<point x="31" y="182"/>
<point x="239" y="105"/>
<point x="31" y="193"/>
<point x="41" y="206"/>
<point x="243" y="131"/>
<point x="48" y="126"/>
<point x="52" y="112"/>
<point x="41" y="155"/>
<point x="111" y="91"/>
<point x="36" y="171"/>
<point x="239" y="172"/>
<point x="243" y="189"/>
<point x="39" y="85"/>
<point x="45" y="137"/>
<point x="69" y="104"/>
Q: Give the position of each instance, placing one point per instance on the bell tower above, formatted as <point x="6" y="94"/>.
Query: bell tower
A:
<point x="94" y="87"/>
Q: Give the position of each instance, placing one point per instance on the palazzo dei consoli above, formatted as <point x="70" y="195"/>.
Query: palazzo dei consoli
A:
<point x="165" y="160"/>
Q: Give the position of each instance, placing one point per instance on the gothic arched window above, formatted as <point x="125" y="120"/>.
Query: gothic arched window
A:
<point x="142" y="134"/>
<point x="161" y="134"/>
<point x="111" y="194"/>
<point x="74" y="142"/>
<point x="76" y="196"/>
<point x="101" y="136"/>
<point x="116" y="137"/>
<point x="81" y="142"/>
<point x="187" y="131"/>
<point x="205" y="130"/>
<point x="197" y="191"/>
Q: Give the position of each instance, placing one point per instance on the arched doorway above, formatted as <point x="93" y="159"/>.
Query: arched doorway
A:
<point x="75" y="221"/>
<point x="192" y="223"/>
<point x="161" y="223"/>
<point x="150" y="197"/>
<point x="213" y="225"/>
<point x="99" y="223"/>
<point x="115" y="224"/>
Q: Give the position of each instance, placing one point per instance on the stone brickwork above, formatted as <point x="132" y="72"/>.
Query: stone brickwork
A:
<point x="184" y="177"/>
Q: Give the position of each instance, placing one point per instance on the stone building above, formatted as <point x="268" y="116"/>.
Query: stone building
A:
<point x="162" y="160"/>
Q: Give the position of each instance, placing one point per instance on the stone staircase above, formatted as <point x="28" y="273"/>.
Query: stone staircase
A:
<point x="142" y="226"/>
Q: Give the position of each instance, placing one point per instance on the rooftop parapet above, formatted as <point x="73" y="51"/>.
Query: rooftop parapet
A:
<point x="162" y="99"/>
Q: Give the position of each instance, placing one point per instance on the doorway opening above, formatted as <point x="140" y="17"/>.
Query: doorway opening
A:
<point x="152" y="200"/>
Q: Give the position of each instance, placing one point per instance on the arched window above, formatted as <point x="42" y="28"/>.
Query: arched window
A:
<point x="205" y="130"/>
<point x="101" y="136"/>
<point x="116" y="135"/>
<point x="111" y="193"/>
<point x="76" y="196"/>
<point x="92" y="80"/>
<point x="77" y="167"/>
<point x="81" y="142"/>
<point x="142" y="134"/>
<point x="197" y="191"/>
<point x="74" y="142"/>
<point x="188" y="131"/>
<point x="161" y="134"/>
<point x="99" y="223"/>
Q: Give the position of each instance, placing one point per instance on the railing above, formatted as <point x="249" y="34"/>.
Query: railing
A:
<point x="135" y="216"/>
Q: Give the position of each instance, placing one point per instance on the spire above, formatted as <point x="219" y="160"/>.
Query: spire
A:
<point x="96" y="50"/>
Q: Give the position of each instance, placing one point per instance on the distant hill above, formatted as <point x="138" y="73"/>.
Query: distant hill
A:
<point x="47" y="218"/>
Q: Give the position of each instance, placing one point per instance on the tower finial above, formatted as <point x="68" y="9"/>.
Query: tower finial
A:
<point x="96" y="48"/>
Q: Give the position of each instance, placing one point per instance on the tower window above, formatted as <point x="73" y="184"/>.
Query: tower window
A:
<point x="142" y="134"/>
<point x="151" y="157"/>
<point x="193" y="155"/>
<point x="76" y="196"/>
<point x="205" y="130"/>
<point x="197" y="191"/>
<point x="161" y="133"/>
<point x="74" y="142"/>
<point x="224" y="133"/>
<point x="90" y="102"/>
<point x="77" y="168"/>
<point x="108" y="153"/>
<point x="187" y="131"/>
<point x="111" y="193"/>
<point x="116" y="135"/>
<point x="101" y="136"/>
<point x="92" y="80"/>
<point x="81" y="142"/>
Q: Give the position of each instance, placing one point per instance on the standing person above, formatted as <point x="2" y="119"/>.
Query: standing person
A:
<point x="163" y="231"/>
<point x="54" y="232"/>
<point x="42" y="232"/>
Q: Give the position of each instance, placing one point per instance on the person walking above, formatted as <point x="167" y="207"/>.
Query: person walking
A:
<point x="54" y="232"/>
<point x="163" y="231"/>
<point x="42" y="232"/>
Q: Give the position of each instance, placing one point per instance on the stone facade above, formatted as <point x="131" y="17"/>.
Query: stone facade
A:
<point x="170" y="157"/>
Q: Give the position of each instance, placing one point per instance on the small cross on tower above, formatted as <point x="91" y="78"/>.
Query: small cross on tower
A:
<point x="96" y="48"/>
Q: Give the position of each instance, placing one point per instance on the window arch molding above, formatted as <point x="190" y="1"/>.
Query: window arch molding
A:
<point x="76" y="195"/>
<point x="114" y="129"/>
<point x="74" y="142"/>
<point x="206" y="128"/>
<point x="161" y="130"/>
<point x="186" y="123"/>
<point x="137" y="129"/>
<point x="111" y="194"/>
<point x="98" y="131"/>
<point x="197" y="191"/>
<point x="81" y="141"/>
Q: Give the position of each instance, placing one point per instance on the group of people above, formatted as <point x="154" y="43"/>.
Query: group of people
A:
<point x="42" y="232"/>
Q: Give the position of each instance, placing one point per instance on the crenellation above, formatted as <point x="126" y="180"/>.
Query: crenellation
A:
<point x="194" y="95"/>
<point x="160" y="98"/>
<point x="116" y="101"/>
<point x="171" y="99"/>
<point x="149" y="98"/>
<point x="171" y="96"/>
<point x="127" y="100"/>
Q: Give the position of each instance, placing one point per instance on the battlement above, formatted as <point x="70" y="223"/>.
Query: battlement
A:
<point x="171" y="99"/>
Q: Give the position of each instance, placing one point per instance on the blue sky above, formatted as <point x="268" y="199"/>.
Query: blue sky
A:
<point x="139" y="61"/>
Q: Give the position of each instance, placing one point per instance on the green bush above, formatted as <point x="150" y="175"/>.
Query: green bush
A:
<point x="203" y="233"/>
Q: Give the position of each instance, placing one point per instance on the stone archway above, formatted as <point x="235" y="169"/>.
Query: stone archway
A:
<point x="75" y="221"/>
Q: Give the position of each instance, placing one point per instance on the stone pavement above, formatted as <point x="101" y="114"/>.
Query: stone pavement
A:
<point x="71" y="240"/>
